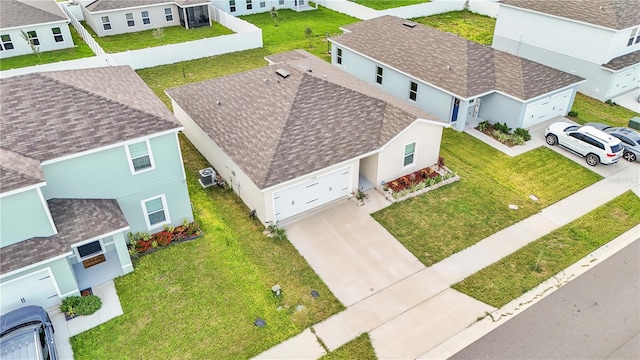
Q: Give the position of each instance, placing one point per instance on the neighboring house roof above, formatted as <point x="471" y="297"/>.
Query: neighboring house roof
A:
<point x="623" y="61"/>
<point x="450" y="62"/>
<point x="76" y="220"/>
<point x="612" y="14"/>
<point x="105" y="5"/>
<point x="14" y="13"/>
<point x="17" y="171"/>
<point x="277" y="129"/>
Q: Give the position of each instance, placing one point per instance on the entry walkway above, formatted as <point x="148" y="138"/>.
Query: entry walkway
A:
<point x="418" y="313"/>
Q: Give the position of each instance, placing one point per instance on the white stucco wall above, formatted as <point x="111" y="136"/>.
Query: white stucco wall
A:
<point x="118" y="19"/>
<point x="257" y="6"/>
<point x="45" y="36"/>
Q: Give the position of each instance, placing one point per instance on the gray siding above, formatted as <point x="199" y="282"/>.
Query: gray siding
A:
<point x="23" y="216"/>
<point x="496" y="107"/>
<point x="62" y="273"/>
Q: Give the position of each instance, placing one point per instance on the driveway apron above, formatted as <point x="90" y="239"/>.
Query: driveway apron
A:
<point x="353" y="254"/>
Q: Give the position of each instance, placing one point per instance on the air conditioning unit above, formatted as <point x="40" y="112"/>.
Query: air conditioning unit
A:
<point x="207" y="177"/>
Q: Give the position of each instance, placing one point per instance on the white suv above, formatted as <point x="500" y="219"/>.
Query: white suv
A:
<point x="595" y="145"/>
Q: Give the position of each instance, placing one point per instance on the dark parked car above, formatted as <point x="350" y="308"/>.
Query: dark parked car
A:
<point x="27" y="333"/>
<point x="630" y="141"/>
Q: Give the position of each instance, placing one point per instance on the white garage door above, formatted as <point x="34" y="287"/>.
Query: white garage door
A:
<point x="312" y="193"/>
<point x="545" y="109"/>
<point x="625" y="81"/>
<point x="34" y="289"/>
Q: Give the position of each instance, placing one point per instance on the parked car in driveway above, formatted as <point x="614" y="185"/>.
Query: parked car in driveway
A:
<point x="630" y="141"/>
<point x="596" y="146"/>
<point x="27" y="333"/>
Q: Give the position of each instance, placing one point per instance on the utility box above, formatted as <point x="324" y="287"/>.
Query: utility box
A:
<point x="207" y="177"/>
<point x="634" y="123"/>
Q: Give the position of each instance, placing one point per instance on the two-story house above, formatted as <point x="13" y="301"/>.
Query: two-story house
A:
<point x="597" y="40"/>
<point x="43" y="22"/>
<point x="451" y="77"/>
<point x="86" y="156"/>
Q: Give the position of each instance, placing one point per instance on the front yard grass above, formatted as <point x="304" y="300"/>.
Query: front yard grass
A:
<point x="80" y="50"/>
<point x="592" y="110"/>
<point x="523" y="270"/>
<point x="359" y="348"/>
<point x="471" y="26"/>
<point x="199" y="300"/>
<point x="145" y="39"/>
<point x="447" y="220"/>
<point x="387" y="4"/>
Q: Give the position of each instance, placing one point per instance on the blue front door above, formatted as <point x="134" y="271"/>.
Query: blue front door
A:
<point x="454" y="113"/>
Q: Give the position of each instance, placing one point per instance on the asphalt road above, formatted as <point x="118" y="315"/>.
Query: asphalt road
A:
<point x="595" y="316"/>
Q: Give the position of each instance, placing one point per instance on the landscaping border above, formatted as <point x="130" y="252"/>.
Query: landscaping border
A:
<point x="388" y="194"/>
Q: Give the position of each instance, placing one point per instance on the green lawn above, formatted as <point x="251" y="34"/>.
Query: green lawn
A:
<point x="357" y="349"/>
<point x="387" y="4"/>
<point x="523" y="270"/>
<point x="442" y="222"/>
<point x="81" y="50"/>
<point x="592" y="110"/>
<point x="199" y="299"/>
<point x="471" y="26"/>
<point x="145" y="39"/>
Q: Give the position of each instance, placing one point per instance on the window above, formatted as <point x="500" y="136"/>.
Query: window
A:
<point x="130" y="21"/>
<point x="89" y="250"/>
<point x="633" y="37"/>
<point x="33" y="38"/>
<point x="140" y="157"/>
<point x="379" y="75"/>
<point x="339" y="56"/>
<point x="281" y="2"/>
<point x="57" y="34"/>
<point x="6" y="43"/>
<point x="263" y="4"/>
<point x="249" y="5"/>
<point x="145" y="17"/>
<point x="155" y="211"/>
<point x="168" y="14"/>
<point x="413" y="91"/>
<point x="409" y="154"/>
<point x="106" y="23"/>
<point x="232" y="5"/>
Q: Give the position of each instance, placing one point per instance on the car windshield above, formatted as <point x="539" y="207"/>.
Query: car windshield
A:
<point x="19" y="344"/>
<point x="615" y="148"/>
<point x="571" y="128"/>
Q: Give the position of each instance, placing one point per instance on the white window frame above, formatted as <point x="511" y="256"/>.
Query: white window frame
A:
<point x="57" y="37"/>
<point x="3" y="43"/>
<point x="147" y="18"/>
<point x="634" y="38"/>
<point x="263" y="3"/>
<point x="149" y="153"/>
<point x="249" y="4"/>
<point x="281" y="2"/>
<point x="404" y="154"/>
<point x="168" y="15"/>
<point x="379" y="74"/>
<point x="165" y="208"/>
<point x="77" y="253"/>
<point x="106" y="23"/>
<point x="413" y="94"/>
<point x="339" y="56"/>
<point x="131" y="22"/>
<point x="232" y="5"/>
<point x="33" y="39"/>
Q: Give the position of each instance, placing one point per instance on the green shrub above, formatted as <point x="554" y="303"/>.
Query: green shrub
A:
<point x="502" y="127"/>
<point x="80" y="305"/>
<point x="523" y="133"/>
<point x="517" y="139"/>
<point x="483" y="125"/>
<point x="573" y="113"/>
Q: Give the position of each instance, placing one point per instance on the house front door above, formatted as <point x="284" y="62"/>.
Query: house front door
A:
<point x="456" y="107"/>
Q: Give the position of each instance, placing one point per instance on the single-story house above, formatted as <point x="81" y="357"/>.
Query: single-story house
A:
<point x="596" y="40"/>
<point x="112" y="17"/>
<point x="41" y="21"/>
<point x="246" y="7"/>
<point x="87" y="156"/>
<point x="300" y="133"/>
<point x="451" y="77"/>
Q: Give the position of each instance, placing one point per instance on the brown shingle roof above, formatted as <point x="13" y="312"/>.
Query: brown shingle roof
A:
<point x="277" y="129"/>
<point x="104" y="5"/>
<point x="17" y="171"/>
<point x="623" y="61"/>
<point x="612" y="14"/>
<point x="29" y="12"/>
<point x="447" y="61"/>
<point x="76" y="220"/>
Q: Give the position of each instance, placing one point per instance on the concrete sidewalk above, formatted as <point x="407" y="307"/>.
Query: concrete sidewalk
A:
<point x="418" y="313"/>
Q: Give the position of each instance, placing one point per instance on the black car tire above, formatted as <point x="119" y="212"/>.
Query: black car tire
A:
<point x="629" y="156"/>
<point x="592" y="159"/>
<point x="551" y="139"/>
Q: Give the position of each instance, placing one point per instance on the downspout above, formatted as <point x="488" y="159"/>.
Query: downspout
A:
<point x="186" y="19"/>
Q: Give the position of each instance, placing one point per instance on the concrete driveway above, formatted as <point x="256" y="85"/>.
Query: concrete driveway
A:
<point x="353" y="254"/>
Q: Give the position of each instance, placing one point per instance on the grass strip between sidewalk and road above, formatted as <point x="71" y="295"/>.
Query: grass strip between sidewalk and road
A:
<point x="359" y="348"/>
<point x="516" y="274"/>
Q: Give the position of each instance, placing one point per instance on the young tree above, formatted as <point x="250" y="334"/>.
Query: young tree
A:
<point x="274" y="15"/>
<point x="309" y="34"/>
<point x="158" y="34"/>
<point x="28" y="38"/>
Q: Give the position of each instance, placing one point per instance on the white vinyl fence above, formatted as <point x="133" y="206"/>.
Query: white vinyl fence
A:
<point x="484" y="7"/>
<point x="82" y="31"/>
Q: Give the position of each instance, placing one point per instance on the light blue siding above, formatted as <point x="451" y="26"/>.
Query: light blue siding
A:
<point x="496" y="107"/>
<point x="23" y="216"/>
<point x="62" y="273"/>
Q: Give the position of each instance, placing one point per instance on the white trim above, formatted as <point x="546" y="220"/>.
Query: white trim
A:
<point x="22" y="27"/>
<point x="23" y="189"/>
<point x="47" y="269"/>
<point x="39" y="263"/>
<point x="127" y="265"/>
<point x="619" y="70"/>
<point x="415" y="154"/>
<point x="184" y="175"/>
<point x="108" y="147"/>
<point x="148" y="18"/>
<point x="419" y="120"/>
<point x="165" y="208"/>
<point x="68" y="293"/>
<point x="149" y="153"/>
<point x="80" y="259"/>
<point x="46" y="209"/>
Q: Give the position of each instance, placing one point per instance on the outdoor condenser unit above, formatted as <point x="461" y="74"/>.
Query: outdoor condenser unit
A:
<point x="207" y="177"/>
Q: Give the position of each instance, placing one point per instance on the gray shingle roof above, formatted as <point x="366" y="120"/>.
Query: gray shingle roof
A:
<point x="277" y="129"/>
<point x="612" y="14"/>
<point x="623" y="61"/>
<point x="17" y="171"/>
<point x="76" y="220"/>
<point x="448" y="61"/>
<point x="105" y="5"/>
<point x="29" y="12"/>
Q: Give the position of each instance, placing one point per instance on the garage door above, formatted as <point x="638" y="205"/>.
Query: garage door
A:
<point x="34" y="289"/>
<point x="312" y="193"/>
<point x="545" y="109"/>
<point x="625" y="81"/>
